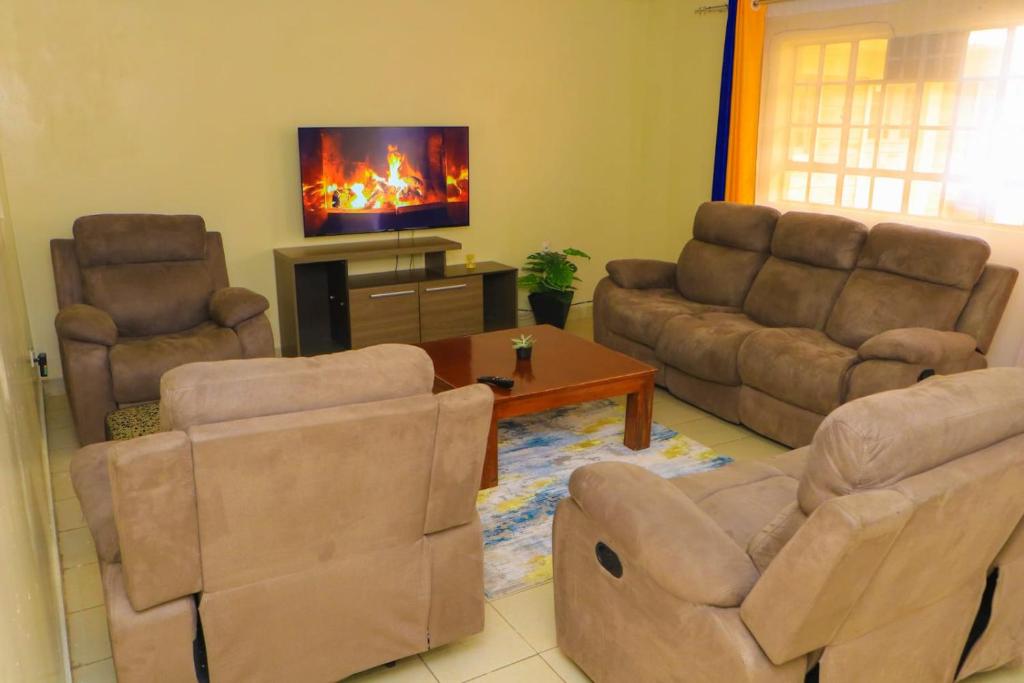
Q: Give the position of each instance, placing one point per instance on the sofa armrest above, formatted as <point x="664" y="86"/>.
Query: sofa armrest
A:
<point x="85" y="323"/>
<point x="634" y="273"/>
<point x="463" y="423"/>
<point x="154" y="502"/>
<point x="91" y="480"/>
<point x="918" y="346"/>
<point x="232" y="306"/>
<point x="650" y="522"/>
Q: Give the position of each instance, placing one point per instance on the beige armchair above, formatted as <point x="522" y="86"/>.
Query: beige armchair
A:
<point x="315" y="516"/>
<point x="870" y="555"/>
<point x="140" y="294"/>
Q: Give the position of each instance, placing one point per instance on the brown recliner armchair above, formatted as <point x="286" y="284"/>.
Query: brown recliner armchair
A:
<point x="321" y="512"/>
<point x="140" y="294"/>
<point x="871" y="553"/>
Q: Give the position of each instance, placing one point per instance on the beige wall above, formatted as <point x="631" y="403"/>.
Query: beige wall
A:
<point x="592" y="121"/>
<point x="31" y="642"/>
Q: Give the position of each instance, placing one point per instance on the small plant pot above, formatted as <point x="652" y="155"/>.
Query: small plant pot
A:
<point x="551" y="308"/>
<point x="524" y="353"/>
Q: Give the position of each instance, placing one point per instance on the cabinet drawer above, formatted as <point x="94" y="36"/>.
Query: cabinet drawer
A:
<point x="451" y="308"/>
<point x="379" y="315"/>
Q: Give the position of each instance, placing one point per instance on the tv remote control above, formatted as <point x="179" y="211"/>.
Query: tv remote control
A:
<point x="503" y="382"/>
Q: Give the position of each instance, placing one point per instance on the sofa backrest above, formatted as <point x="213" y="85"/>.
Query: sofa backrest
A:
<point x="153" y="274"/>
<point x="812" y="256"/>
<point x="730" y="243"/>
<point x="910" y="494"/>
<point x="907" y="277"/>
<point x="984" y="309"/>
<point x="203" y="393"/>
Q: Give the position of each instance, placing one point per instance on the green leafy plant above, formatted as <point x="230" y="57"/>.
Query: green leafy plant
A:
<point x="551" y="271"/>
<point x="523" y="341"/>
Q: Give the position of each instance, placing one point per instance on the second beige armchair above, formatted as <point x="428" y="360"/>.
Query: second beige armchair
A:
<point x="315" y="516"/>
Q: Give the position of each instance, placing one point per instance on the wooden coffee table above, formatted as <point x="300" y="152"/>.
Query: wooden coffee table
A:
<point x="565" y="369"/>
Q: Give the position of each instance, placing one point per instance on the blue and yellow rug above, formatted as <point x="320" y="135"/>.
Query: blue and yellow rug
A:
<point x="537" y="453"/>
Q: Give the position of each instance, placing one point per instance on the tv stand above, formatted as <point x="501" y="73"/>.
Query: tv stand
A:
<point x="322" y="308"/>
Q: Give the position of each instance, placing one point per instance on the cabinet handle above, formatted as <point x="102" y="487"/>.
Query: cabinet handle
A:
<point x="381" y="295"/>
<point x="445" y="288"/>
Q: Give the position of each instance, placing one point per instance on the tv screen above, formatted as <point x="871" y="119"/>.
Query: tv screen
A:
<point x="374" y="179"/>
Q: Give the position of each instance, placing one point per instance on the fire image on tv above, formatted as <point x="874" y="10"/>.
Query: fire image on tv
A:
<point x="374" y="179"/>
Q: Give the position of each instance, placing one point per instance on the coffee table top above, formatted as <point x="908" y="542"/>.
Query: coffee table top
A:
<point x="561" y="360"/>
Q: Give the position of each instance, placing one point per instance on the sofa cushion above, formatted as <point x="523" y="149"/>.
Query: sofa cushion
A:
<point x="874" y="301"/>
<point x="730" y="242"/>
<point x="812" y="255"/>
<point x="741" y="226"/>
<point x="707" y="345"/>
<point x="792" y="294"/>
<point x="819" y="239"/>
<point x="935" y="256"/>
<point x="712" y="274"/>
<point x="640" y="314"/>
<point x="742" y="498"/>
<point x="111" y="239"/>
<point x="150" y="298"/>
<point x="137" y="365"/>
<point x="796" y="365"/>
<point x="882" y="439"/>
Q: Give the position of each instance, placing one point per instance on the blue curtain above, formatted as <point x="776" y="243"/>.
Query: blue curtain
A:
<point x="724" y="107"/>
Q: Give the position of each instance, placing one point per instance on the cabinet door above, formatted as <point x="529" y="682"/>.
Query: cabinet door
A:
<point x="451" y="308"/>
<point x="379" y="315"/>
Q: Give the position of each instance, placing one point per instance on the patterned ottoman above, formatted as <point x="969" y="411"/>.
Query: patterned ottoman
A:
<point x="133" y="421"/>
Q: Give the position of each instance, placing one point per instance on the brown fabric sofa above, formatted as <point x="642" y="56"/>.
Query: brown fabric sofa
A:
<point x="320" y="511"/>
<point x="140" y="294"/>
<point x="866" y="554"/>
<point x="774" y="321"/>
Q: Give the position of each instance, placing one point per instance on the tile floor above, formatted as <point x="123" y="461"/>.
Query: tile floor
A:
<point x="517" y="644"/>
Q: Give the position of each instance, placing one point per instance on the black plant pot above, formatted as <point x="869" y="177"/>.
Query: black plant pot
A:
<point x="524" y="353"/>
<point x="550" y="308"/>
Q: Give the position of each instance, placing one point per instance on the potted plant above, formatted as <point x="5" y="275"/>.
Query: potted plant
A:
<point x="523" y="344"/>
<point x="550" y="278"/>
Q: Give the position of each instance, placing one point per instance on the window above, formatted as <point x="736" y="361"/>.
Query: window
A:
<point x="928" y="125"/>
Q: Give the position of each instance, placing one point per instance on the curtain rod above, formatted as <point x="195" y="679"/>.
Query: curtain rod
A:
<point x="724" y="7"/>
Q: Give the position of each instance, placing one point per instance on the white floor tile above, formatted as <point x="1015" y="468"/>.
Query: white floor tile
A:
<point x="76" y="548"/>
<point x="409" y="670"/>
<point x="497" y="646"/>
<point x="88" y="641"/>
<point x="97" y="672"/>
<point x="564" y="667"/>
<point x="532" y="670"/>
<point x="83" y="587"/>
<point x="69" y="514"/>
<point x="532" y="614"/>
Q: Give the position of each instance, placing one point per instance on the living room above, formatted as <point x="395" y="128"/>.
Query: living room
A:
<point x="138" y="137"/>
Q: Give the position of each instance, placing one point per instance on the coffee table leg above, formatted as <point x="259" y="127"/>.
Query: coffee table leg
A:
<point x="489" y="478"/>
<point x="639" y="412"/>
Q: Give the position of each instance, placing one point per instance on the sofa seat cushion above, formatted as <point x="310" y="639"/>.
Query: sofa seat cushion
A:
<point x="797" y="365"/>
<point x="742" y="497"/>
<point x="640" y="314"/>
<point x="706" y="345"/>
<point x="136" y="365"/>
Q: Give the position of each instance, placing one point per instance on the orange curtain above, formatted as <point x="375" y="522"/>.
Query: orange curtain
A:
<point x="741" y="169"/>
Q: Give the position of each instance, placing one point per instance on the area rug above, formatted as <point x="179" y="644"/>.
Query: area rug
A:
<point x="537" y="453"/>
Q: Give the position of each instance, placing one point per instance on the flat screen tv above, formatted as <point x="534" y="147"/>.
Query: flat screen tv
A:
<point x="375" y="179"/>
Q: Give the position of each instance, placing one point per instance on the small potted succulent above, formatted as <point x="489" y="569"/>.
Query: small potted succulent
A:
<point x="550" y="278"/>
<point x="523" y="344"/>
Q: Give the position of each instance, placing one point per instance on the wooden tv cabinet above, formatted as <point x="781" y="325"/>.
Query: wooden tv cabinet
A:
<point x="322" y="308"/>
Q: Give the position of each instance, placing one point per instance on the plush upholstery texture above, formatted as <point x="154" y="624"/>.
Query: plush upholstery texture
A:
<point x="138" y="295"/>
<point x="879" y="579"/>
<point x="343" y="527"/>
<point x="776" y="320"/>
